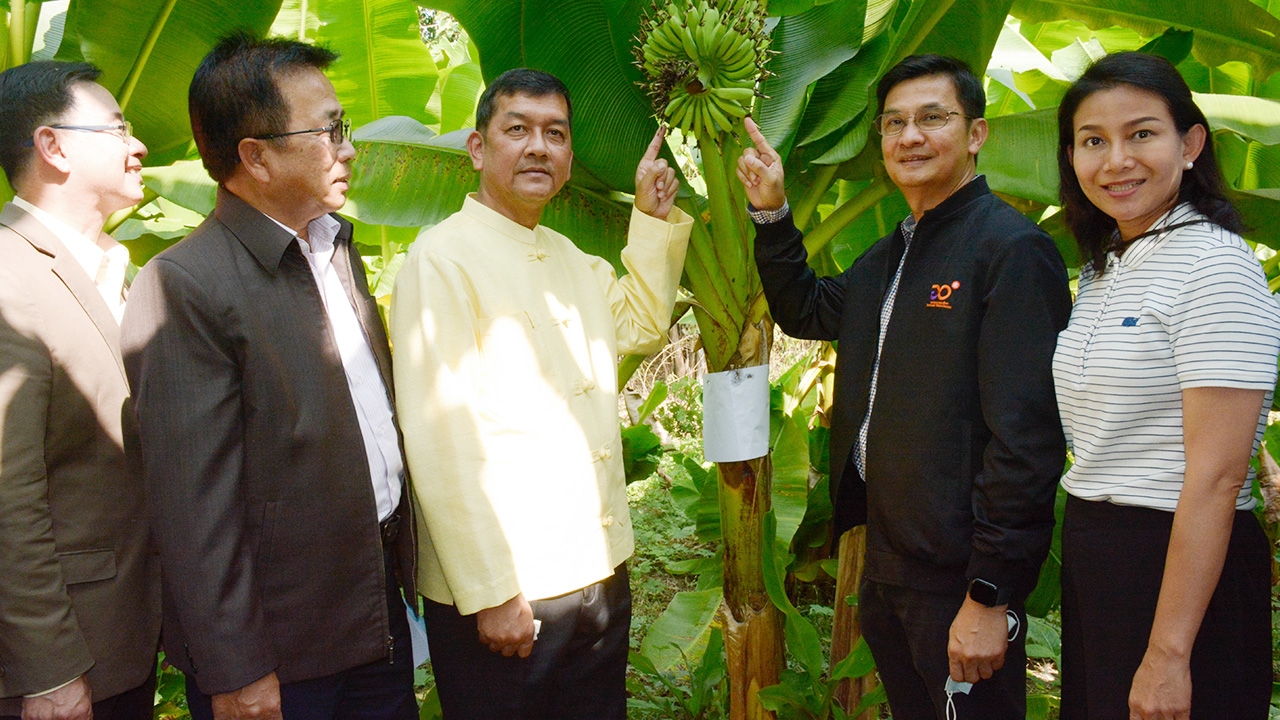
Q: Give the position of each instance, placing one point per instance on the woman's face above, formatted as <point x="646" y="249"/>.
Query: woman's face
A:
<point x="1129" y="156"/>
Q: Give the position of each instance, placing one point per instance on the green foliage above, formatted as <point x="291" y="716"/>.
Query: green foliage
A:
<point x="123" y="37"/>
<point x="1044" y="651"/>
<point x="682" y="632"/>
<point x="642" y="448"/>
<point x="681" y="414"/>
<point x="809" y="690"/>
<point x="699" y="497"/>
<point x="695" y="689"/>
<point x="171" y="693"/>
<point x="384" y="68"/>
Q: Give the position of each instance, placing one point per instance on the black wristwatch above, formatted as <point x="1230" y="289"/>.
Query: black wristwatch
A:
<point x="987" y="594"/>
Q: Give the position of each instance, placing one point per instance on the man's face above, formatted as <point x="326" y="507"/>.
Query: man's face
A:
<point x="930" y="162"/>
<point x="308" y="171"/>
<point x="524" y="156"/>
<point x="103" y="164"/>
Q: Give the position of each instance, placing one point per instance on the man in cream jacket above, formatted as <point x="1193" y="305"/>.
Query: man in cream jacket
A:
<point x="506" y="338"/>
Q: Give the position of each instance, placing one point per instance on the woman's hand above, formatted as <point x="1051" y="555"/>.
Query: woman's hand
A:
<point x="1161" y="688"/>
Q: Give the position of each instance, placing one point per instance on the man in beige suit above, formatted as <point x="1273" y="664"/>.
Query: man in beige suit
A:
<point x="79" y="600"/>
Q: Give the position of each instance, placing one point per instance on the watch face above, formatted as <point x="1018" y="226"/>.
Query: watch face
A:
<point x="984" y="593"/>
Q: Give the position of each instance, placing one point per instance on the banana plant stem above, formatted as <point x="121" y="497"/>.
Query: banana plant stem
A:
<point x="33" y="25"/>
<point x="149" y="45"/>
<point x="117" y="218"/>
<point x="826" y="230"/>
<point x="823" y="177"/>
<point x="17" y="32"/>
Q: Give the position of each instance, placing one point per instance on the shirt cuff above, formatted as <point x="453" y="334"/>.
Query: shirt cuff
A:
<point x="53" y="689"/>
<point x="768" y="217"/>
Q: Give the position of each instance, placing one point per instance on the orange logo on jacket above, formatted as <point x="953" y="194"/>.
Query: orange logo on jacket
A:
<point x="939" y="294"/>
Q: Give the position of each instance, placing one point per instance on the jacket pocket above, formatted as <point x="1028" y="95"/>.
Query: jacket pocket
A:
<point x="82" y="566"/>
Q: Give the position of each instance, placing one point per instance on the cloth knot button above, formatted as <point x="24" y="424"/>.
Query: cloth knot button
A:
<point x="586" y="386"/>
<point x="539" y="255"/>
<point x="606" y="521"/>
<point x="603" y="453"/>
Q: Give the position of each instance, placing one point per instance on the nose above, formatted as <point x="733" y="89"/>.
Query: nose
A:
<point x="1118" y="157"/>
<point x="911" y="134"/>
<point x="136" y="147"/>
<point x="346" y="151"/>
<point x="537" y="144"/>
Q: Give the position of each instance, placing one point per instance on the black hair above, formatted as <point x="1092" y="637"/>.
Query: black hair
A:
<point x="35" y="94"/>
<point x="1203" y="186"/>
<point x="973" y="99"/>
<point x="235" y="94"/>
<point x="520" y="81"/>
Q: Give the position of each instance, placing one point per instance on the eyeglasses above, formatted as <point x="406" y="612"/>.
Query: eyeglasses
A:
<point x="339" y="130"/>
<point x="122" y="130"/>
<point x="928" y="120"/>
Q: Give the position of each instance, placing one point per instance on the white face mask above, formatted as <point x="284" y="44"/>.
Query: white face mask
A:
<point x="952" y="687"/>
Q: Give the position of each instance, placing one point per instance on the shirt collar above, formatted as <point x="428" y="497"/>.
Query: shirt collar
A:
<point x="85" y="250"/>
<point x="499" y="222"/>
<point x="267" y="241"/>
<point x="909" y="228"/>
<point x="1144" y="247"/>
<point x="322" y="232"/>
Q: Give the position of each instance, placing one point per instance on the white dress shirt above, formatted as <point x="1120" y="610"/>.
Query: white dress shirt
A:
<point x="368" y="393"/>
<point x="106" y="268"/>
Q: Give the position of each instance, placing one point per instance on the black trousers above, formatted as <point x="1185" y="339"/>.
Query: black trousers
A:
<point x="136" y="704"/>
<point x="577" y="668"/>
<point x="908" y="631"/>
<point x="1113" y="561"/>
<point x="380" y="690"/>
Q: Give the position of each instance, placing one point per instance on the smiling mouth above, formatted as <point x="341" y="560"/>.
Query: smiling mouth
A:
<point x="1122" y="187"/>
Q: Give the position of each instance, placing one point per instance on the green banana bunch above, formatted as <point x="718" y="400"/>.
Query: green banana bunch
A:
<point x="703" y="62"/>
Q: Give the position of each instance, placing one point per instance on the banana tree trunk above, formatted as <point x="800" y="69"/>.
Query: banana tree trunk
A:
<point x="752" y="625"/>
<point x="847" y="630"/>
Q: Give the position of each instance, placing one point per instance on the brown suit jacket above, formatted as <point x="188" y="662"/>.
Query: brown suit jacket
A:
<point x="260" y="492"/>
<point x="80" y="587"/>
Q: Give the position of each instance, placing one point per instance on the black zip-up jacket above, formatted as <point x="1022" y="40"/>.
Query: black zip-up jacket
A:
<point x="965" y="446"/>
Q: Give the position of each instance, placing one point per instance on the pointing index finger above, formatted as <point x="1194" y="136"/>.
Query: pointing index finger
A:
<point x="757" y="137"/>
<point x="655" y="146"/>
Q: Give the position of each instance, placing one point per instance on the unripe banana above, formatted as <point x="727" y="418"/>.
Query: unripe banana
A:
<point x="734" y="94"/>
<point x="731" y="109"/>
<point x="718" y="115"/>
<point x="703" y="59"/>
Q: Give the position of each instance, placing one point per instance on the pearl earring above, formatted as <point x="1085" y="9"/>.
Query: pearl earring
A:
<point x="1190" y="164"/>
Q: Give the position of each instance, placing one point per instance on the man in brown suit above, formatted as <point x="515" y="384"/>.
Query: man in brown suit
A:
<point x="262" y="380"/>
<point x="79" y="599"/>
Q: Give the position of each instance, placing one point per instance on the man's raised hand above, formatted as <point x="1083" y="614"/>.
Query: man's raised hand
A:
<point x="656" y="183"/>
<point x="760" y="170"/>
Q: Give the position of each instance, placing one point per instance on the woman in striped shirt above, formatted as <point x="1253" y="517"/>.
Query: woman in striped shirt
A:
<point x="1164" y="378"/>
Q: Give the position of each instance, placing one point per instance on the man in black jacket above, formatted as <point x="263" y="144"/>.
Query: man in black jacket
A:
<point x="945" y="439"/>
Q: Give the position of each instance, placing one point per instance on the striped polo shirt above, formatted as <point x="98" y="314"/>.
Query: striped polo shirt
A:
<point x="1181" y="309"/>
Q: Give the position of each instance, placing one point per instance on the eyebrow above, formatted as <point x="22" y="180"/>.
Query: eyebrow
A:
<point x="930" y="106"/>
<point x="1131" y="123"/>
<point x="513" y="115"/>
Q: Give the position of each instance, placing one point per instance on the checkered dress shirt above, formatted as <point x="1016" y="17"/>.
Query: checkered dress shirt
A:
<point x="886" y="310"/>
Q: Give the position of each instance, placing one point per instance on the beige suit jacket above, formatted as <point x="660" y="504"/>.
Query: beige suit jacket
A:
<point x="80" y="589"/>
